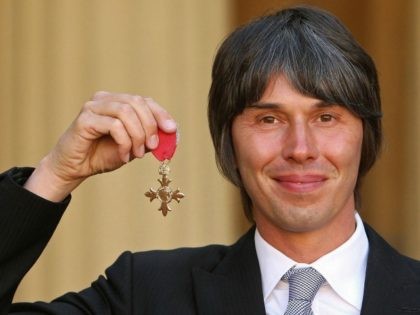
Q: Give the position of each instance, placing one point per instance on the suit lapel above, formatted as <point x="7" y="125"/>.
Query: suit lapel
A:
<point x="391" y="285"/>
<point x="234" y="286"/>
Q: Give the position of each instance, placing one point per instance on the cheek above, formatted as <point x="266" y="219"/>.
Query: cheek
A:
<point x="253" y="152"/>
<point x="343" y="149"/>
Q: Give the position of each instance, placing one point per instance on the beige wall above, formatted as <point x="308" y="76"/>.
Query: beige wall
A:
<point x="55" y="54"/>
<point x="411" y="152"/>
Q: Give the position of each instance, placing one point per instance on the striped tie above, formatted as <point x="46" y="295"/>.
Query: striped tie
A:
<point x="304" y="283"/>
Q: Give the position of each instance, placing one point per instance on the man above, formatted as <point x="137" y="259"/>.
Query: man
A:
<point x="294" y="113"/>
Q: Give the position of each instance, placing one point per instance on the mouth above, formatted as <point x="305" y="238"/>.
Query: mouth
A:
<point x="296" y="183"/>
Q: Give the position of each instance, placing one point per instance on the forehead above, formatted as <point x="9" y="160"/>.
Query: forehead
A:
<point x="280" y="93"/>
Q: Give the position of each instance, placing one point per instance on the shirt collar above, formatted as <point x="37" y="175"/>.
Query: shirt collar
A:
<point x="344" y="268"/>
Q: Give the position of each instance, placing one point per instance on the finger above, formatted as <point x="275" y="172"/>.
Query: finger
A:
<point x="100" y="95"/>
<point x="96" y="126"/>
<point x="163" y="118"/>
<point x="127" y="115"/>
<point x="150" y="113"/>
<point x="145" y="115"/>
<point x="148" y="121"/>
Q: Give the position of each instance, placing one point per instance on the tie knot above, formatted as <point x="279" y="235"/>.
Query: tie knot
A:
<point x="304" y="283"/>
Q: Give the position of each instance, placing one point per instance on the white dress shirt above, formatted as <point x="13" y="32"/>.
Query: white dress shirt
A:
<point x="344" y="270"/>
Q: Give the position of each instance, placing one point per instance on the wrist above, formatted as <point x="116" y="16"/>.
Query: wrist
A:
<point x="45" y="183"/>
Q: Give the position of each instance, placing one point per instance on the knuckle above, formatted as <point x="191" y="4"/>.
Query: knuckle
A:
<point x="99" y="94"/>
<point x="140" y="138"/>
<point x="163" y="112"/>
<point x="151" y="127"/>
<point x="125" y="145"/>
<point x="84" y="123"/>
<point x="83" y="119"/>
<point x="138" y="99"/>
<point x="116" y="125"/>
<point x="154" y="106"/>
<point x="88" y="105"/>
<point x="125" y="109"/>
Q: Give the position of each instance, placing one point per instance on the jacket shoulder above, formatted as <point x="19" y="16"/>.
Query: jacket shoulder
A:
<point x="392" y="284"/>
<point x="167" y="275"/>
<point x="383" y="253"/>
<point x="180" y="259"/>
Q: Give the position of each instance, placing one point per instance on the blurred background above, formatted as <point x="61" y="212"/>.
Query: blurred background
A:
<point x="54" y="54"/>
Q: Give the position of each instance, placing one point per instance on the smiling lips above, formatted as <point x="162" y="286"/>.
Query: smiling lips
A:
<point x="301" y="183"/>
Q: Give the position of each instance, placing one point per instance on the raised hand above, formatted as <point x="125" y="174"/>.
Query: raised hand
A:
<point x="110" y="130"/>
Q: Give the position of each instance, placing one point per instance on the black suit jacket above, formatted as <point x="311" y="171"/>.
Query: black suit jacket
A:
<point x="208" y="280"/>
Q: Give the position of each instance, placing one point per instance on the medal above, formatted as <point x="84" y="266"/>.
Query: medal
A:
<point x="164" y="153"/>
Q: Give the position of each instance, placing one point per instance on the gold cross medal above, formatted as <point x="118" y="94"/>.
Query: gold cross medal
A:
<point x="164" y="153"/>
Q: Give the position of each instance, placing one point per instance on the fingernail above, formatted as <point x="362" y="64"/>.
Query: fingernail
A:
<point x="152" y="142"/>
<point x="169" y="125"/>
<point x="127" y="158"/>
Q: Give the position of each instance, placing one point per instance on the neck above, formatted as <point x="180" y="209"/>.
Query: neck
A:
<point x="309" y="246"/>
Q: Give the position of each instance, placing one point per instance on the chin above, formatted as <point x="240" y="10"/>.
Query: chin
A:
<point x="300" y="219"/>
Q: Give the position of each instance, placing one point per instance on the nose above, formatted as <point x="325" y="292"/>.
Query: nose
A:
<point x="299" y="143"/>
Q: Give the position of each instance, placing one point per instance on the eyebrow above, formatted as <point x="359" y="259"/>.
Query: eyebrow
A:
<point x="263" y="105"/>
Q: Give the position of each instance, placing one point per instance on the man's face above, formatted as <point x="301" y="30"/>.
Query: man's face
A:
<point x="298" y="158"/>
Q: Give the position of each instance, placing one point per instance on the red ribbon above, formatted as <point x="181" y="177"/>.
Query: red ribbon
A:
<point x="166" y="147"/>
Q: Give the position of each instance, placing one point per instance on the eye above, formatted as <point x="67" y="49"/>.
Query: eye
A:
<point x="326" y="117"/>
<point x="268" y="120"/>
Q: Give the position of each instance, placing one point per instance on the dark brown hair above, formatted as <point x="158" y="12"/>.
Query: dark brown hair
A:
<point x="320" y="58"/>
